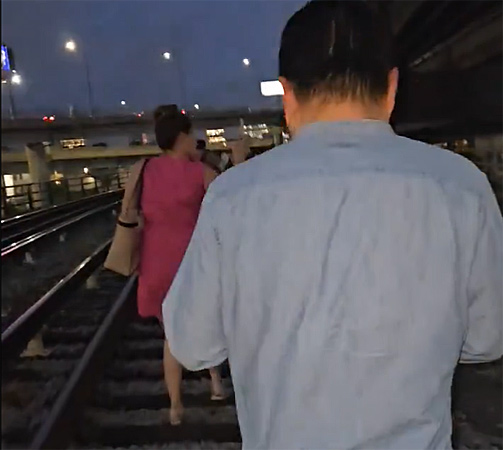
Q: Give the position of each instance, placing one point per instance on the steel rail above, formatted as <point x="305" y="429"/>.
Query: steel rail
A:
<point x="17" y="231"/>
<point x="57" y="429"/>
<point x="24" y="243"/>
<point x="25" y="327"/>
<point x="13" y="223"/>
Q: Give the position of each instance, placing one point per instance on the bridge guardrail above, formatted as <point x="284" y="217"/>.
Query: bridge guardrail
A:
<point x="24" y="198"/>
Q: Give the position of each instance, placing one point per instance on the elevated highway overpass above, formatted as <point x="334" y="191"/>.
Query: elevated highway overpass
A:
<point x="450" y="88"/>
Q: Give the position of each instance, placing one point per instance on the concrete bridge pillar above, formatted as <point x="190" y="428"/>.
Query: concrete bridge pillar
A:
<point x="490" y="150"/>
<point x="276" y="135"/>
<point x="40" y="173"/>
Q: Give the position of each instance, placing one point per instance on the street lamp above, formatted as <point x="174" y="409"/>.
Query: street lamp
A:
<point x="196" y="106"/>
<point x="123" y="102"/>
<point x="71" y="47"/>
<point x="16" y="79"/>
<point x="178" y="63"/>
<point x="246" y="62"/>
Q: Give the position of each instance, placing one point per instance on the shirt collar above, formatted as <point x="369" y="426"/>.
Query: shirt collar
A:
<point x="346" y="129"/>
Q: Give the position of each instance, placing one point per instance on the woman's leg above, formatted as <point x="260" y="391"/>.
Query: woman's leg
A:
<point x="173" y="380"/>
<point x="217" y="390"/>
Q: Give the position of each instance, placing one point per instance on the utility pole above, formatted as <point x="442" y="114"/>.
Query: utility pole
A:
<point x="12" y="105"/>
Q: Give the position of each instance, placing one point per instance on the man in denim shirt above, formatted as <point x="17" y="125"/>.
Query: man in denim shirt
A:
<point x="346" y="273"/>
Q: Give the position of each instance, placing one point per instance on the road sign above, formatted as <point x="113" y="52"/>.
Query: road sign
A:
<point x="7" y="63"/>
<point x="271" y="88"/>
<point x="6" y="66"/>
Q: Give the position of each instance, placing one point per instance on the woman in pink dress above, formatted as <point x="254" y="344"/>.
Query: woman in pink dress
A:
<point x="174" y="185"/>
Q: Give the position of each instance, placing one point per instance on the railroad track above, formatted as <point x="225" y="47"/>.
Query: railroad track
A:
<point x="130" y="406"/>
<point x="101" y="385"/>
<point x="102" y="382"/>
<point x="67" y="318"/>
<point x="39" y="249"/>
<point x="22" y="231"/>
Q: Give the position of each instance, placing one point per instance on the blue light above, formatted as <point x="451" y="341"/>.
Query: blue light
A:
<point x="5" y="59"/>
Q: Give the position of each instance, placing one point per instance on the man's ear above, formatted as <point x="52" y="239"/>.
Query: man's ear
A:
<point x="289" y="102"/>
<point x="287" y="89"/>
<point x="392" y="89"/>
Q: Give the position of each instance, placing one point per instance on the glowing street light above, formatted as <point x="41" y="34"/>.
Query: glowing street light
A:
<point x="196" y="106"/>
<point x="123" y="102"/>
<point x="178" y="64"/>
<point x="246" y="62"/>
<point x="71" y="46"/>
<point x="16" y="79"/>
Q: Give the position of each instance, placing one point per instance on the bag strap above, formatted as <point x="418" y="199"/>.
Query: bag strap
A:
<point x="140" y="182"/>
<point x="133" y="189"/>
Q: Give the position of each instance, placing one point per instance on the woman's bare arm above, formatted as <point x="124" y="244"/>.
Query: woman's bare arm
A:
<point x="208" y="175"/>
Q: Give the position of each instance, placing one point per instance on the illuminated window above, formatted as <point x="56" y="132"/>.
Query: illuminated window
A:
<point x="57" y="177"/>
<point x="256" y="131"/>
<point x="8" y="183"/>
<point x="217" y="140"/>
<point x="73" y="143"/>
<point x="216" y="137"/>
<point x="215" y="132"/>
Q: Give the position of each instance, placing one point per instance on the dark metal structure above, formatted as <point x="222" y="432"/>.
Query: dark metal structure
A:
<point x="450" y="61"/>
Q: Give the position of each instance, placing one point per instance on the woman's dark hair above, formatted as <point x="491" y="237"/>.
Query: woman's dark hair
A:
<point x="338" y="49"/>
<point x="169" y="123"/>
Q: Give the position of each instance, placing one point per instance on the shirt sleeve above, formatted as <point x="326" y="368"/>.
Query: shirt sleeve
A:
<point x="191" y="310"/>
<point x="484" y="338"/>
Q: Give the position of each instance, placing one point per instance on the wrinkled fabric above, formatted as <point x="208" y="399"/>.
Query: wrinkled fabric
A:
<point x="173" y="190"/>
<point x="343" y="275"/>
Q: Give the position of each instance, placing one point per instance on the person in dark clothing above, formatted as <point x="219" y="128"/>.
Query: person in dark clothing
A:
<point x="250" y="155"/>
<point x="207" y="157"/>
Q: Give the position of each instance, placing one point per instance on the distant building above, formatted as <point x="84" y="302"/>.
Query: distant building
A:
<point x="216" y="139"/>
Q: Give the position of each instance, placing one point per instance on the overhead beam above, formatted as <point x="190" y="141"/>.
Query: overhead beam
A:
<point x="227" y="118"/>
<point x="480" y="41"/>
<point x="401" y="12"/>
<point x="473" y="95"/>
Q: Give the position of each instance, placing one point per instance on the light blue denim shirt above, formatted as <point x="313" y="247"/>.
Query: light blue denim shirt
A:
<point x="343" y="275"/>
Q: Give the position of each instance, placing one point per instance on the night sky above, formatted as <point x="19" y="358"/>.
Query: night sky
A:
<point x="124" y="41"/>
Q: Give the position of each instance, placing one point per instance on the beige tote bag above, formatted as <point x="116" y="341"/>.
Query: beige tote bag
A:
<point x="124" y="254"/>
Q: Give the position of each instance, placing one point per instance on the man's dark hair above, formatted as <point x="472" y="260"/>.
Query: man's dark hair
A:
<point x="169" y="123"/>
<point x="338" y="49"/>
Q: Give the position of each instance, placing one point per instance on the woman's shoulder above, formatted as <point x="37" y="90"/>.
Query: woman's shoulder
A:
<point x="202" y="172"/>
<point x="197" y="167"/>
<point x="185" y="168"/>
<point x="165" y="162"/>
<point x="190" y="170"/>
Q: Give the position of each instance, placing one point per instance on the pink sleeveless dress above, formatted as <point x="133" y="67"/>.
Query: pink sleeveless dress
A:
<point x="173" y="190"/>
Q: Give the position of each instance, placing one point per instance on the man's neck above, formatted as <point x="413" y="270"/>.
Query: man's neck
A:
<point x="341" y="112"/>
